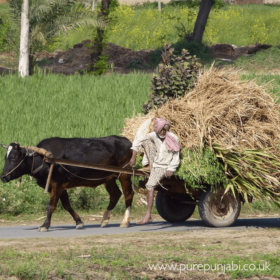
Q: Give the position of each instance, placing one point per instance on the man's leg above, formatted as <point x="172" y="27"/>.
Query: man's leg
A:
<point x="150" y="201"/>
<point x="150" y="151"/>
<point x="156" y="175"/>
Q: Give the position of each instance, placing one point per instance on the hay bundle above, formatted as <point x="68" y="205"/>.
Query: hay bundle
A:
<point x="221" y="109"/>
<point x="230" y="117"/>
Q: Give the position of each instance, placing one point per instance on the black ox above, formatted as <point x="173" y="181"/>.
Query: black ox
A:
<point x="112" y="150"/>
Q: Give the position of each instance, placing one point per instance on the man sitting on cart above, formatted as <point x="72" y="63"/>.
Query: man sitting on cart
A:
<point x="162" y="152"/>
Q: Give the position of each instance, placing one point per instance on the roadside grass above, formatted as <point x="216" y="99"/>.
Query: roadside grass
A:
<point x="260" y="62"/>
<point x="270" y="81"/>
<point x="149" y="255"/>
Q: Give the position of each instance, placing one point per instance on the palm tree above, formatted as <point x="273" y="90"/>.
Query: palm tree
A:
<point x="50" y="18"/>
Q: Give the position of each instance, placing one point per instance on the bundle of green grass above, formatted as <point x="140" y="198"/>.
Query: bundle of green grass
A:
<point x="229" y="132"/>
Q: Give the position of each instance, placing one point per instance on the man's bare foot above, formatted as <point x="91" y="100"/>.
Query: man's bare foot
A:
<point x="144" y="221"/>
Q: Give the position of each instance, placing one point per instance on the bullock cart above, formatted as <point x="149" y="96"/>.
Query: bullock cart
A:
<point x="175" y="201"/>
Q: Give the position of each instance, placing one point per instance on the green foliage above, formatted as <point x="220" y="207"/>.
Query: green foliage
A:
<point x="28" y="198"/>
<point x="4" y="27"/>
<point x="200" y="167"/>
<point x="251" y="172"/>
<point x="100" y="67"/>
<point x="138" y="163"/>
<point x="219" y="4"/>
<point x="114" y="4"/>
<point x="50" y="19"/>
<point x="8" y="31"/>
<point x="177" y="74"/>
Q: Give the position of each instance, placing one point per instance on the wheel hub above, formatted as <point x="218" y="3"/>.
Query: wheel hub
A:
<point x="221" y="206"/>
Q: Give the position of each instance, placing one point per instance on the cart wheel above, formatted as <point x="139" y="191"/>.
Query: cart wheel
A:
<point x="173" y="207"/>
<point x="217" y="213"/>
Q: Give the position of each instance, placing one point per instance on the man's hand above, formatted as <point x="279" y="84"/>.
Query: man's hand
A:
<point x="168" y="173"/>
<point x="133" y="159"/>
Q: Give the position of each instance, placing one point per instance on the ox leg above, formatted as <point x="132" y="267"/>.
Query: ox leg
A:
<point x="67" y="206"/>
<point x="115" y="194"/>
<point x="128" y="197"/>
<point x="55" y="195"/>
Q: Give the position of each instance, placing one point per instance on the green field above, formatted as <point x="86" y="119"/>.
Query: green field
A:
<point x="44" y="106"/>
<point x="143" y="27"/>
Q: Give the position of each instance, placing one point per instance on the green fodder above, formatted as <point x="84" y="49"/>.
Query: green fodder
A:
<point x="200" y="167"/>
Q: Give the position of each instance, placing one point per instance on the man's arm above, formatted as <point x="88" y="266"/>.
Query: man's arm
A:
<point x="136" y="146"/>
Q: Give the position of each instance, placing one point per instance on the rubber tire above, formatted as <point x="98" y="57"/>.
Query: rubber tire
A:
<point x="172" y="214"/>
<point x="207" y="210"/>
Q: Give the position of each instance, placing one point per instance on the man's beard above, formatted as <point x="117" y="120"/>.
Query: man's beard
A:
<point x="161" y="137"/>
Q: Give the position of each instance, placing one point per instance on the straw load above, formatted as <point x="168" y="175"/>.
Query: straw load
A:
<point x="229" y="132"/>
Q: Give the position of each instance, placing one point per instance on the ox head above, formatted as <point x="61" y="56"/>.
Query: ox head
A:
<point x="15" y="162"/>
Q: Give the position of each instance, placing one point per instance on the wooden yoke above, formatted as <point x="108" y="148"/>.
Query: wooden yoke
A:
<point x="46" y="154"/>
<point x="39" y="151"/>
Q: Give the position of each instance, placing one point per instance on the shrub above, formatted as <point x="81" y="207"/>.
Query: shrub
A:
<point x="177" y="74"/>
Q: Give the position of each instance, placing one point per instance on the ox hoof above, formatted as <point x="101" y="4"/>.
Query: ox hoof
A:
<point x="124" y="225"/>
<point x="43" y="229"/>
<point x="79" y="226"/>
<point x="104" y="223"/>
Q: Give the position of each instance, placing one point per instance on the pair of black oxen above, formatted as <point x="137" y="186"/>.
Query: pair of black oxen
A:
<point x="112" y="150"/>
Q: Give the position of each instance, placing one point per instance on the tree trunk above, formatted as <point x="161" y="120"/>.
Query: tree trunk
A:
<point x="159" y="5"/>
<point x="201" y="19"/>
<point x="23" y="66"/>
<point x="98" y="42"/>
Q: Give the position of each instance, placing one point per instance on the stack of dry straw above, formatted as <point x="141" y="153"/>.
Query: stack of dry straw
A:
<point x="221" y="109"/>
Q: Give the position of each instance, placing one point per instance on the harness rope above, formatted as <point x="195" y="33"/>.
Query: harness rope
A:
<point x="15" y="167"/>
<point x="93" y="179"/>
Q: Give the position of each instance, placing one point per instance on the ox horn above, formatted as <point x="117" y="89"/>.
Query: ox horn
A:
<point x="4" y="146"/>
